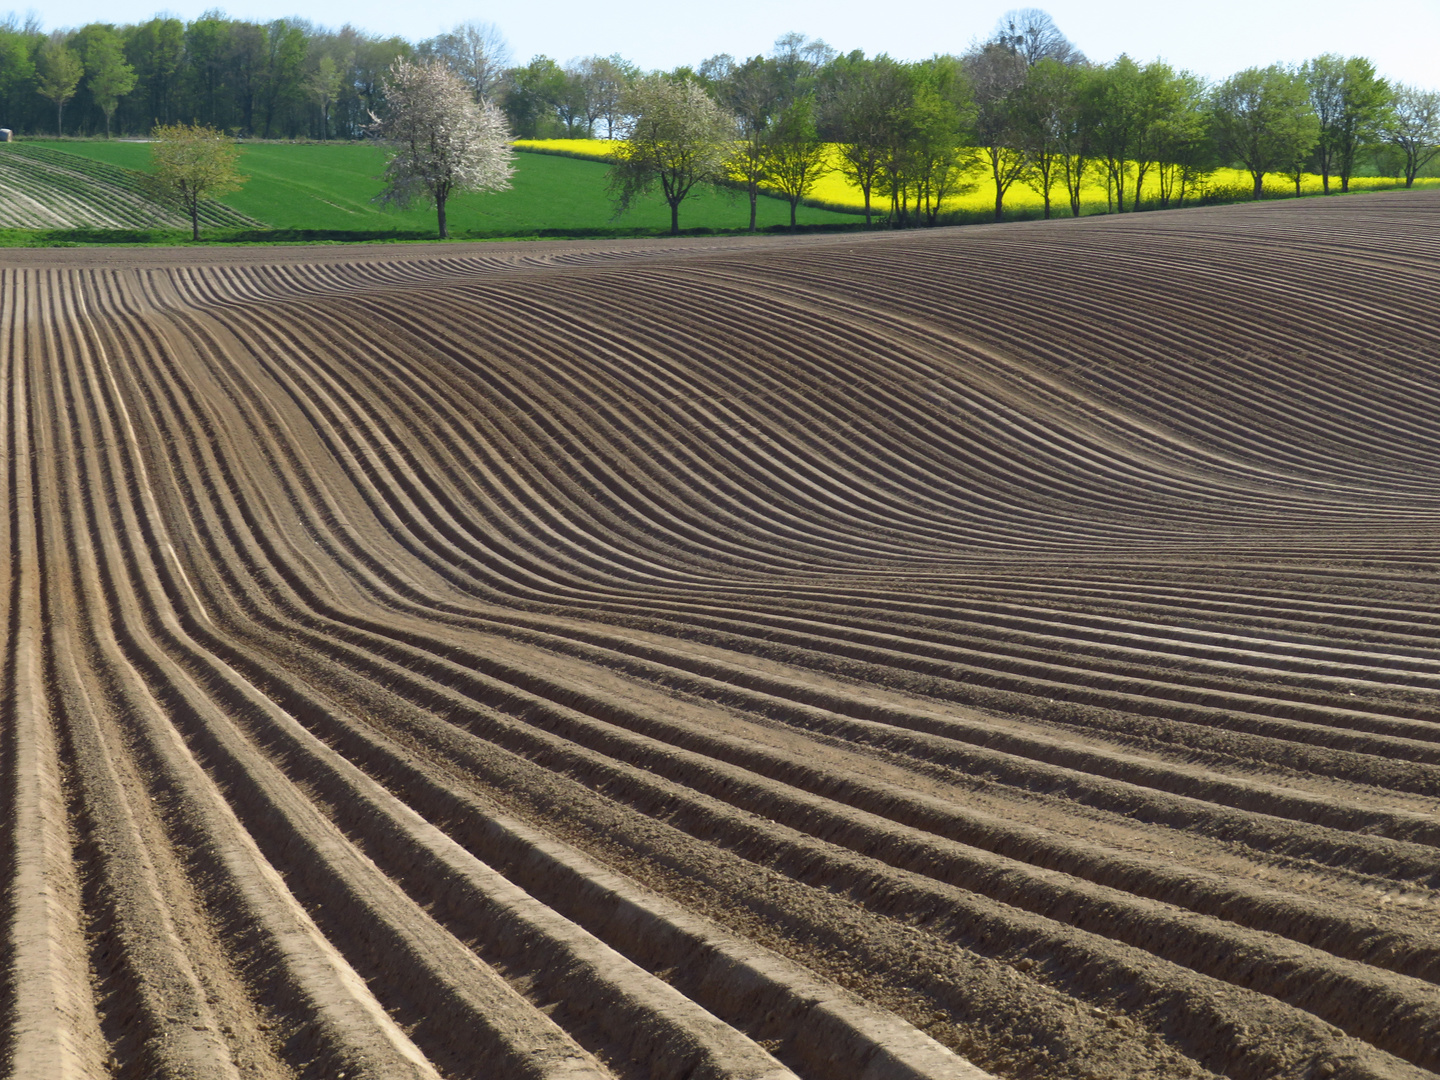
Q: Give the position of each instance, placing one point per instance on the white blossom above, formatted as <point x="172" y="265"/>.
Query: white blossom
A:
<point x="444" y="140"/>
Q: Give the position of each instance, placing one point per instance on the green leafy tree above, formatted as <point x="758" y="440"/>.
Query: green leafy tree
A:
<point x="869" y="103"/>
<point x="613" y="75"/>
<point x="1076" y="136"/>
<point x="942" y="110"/>
<point x="207" y="50"/>
<point x="532" y="97"/>
<point x="1365" y="108"/>
<point x="190" y="163"/>
<point x="996" y="73"/>
<point x="324" y="88"/>
<point x="1047" y="112"/>
<point x="156" y="50"/>
<point x="1129" y="104"/>
<point x="750" y="91"/>
<point x="108" y="75"/>
<point x="1351" y="104"/>
<point x="17" y="68"/>
<point x="676" y="137"/>
<point x="59" y="70"/>
<point x="1325" y="80"/>
<point x="1263" y="121"/>
<point x="246" y="69"/>
<point x="1184" y="149"/>
<point x="1413" y="128"/>
<point x="282" y="79"/>
<point x="795" y="155"/>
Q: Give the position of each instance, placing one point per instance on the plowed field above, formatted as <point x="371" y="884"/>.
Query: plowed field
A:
<point x="1008" y="651"/>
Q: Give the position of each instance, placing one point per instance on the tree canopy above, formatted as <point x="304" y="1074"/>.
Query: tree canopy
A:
<point x="677" y="137"/>
<point x="1025" y="103"/>
<point x="191" y="163"/>
<point x="444" y="140"/>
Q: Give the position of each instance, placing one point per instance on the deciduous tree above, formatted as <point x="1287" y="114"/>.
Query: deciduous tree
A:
<point x="1413" y="127"/>
<point x="533" y="96"/>
<point x="997" y="72"/>
<point x="324" y="88"/>
<point x="192" y="163"/>
<point x="676" y="137"/>
<point x="1263" y="120"/>
<point x="869" y="103"/>
<point x="107" y="74"/>
<point x="1184" y="149"/>
<point x="1033" y="35"/>
<point x="445" y="141"/>
<point x="58" y="70"/>
<point x="17" y="69"/>
<point x="751" y="92"/>
<point x="1128" y="105"/>
<point x="156" y="50"/>
<point x="795" y="155"/>
<point x="939" y="164"/>
<point x="476" y="51"/>
<point x="1047" y="112"/>
<point x="1350" y="103"/>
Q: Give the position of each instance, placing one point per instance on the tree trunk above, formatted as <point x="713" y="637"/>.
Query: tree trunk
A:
<point x="754" y="198"/>
<point x="440" y="210"/>
<point x="674" y="217"/>
<point x="794" y="202"/>
<point x="59" y="119"/>
<point x="1259" y="184"/>
<point x="867" y="205"/>
<point x="1325" y="179"/>
<point x="195" y="220"/>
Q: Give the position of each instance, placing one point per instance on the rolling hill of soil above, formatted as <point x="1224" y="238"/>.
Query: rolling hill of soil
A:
<point x="1010" y="651"/>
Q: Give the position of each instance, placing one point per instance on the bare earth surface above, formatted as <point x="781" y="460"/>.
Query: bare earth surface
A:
<point x="1008" y="651"/>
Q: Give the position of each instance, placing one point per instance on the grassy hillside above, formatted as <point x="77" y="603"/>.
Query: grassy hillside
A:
<point x="44" y="188"/>
<point x="313" y="186"/>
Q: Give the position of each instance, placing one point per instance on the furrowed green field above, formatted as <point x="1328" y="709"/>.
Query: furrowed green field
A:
<point x="330" y="188"/>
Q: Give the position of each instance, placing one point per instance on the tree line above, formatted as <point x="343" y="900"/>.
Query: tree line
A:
<point x="1025" y="107"/>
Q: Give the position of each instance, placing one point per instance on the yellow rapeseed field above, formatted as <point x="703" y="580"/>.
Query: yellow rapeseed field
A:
<point x="834" y="190"/>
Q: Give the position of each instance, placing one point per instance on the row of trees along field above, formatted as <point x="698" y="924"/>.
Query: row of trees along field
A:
<point x="1024" y="107"/>
<point x="1025" y="104"/>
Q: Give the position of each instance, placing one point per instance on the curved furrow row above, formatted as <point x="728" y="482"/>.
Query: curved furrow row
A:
<point x="670" y="1026"/>
<point x="1056" y="293"/>
<point x="835" y="657"/>
<point x="1045" y="328"/>
<point x="321" y="645"/>
<point x="1330" y="716"/>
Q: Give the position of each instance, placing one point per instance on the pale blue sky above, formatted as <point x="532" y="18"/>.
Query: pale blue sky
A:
<point x="1212" y="37"/>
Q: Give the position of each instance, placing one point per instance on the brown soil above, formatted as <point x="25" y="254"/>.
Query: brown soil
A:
<point x="1005" y="652"/>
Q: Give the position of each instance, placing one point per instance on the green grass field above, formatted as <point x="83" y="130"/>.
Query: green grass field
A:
<point x="330" y="188"/>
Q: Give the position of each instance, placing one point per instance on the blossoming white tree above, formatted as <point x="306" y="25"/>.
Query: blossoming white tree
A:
<point x="444" y="140"/>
